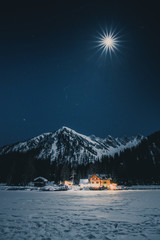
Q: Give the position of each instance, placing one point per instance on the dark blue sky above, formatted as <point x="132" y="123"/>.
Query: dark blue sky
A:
<point x="51" y="75"/>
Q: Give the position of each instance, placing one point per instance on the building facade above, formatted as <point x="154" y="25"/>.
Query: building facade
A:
<point x="99" y="181"/>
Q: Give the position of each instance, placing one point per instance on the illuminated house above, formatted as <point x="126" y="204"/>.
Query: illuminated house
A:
<point x="68" y="183"/>
<point x="98" y="181"/>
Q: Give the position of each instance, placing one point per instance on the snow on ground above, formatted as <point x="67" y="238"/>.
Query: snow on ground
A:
<point x="80" y="215"/>
<point x="50" y="186"/>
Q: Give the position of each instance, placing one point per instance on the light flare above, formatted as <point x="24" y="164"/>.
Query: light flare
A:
<point x="108" y="41"/>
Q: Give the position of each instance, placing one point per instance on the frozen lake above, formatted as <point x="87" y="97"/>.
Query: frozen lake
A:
<point x="80" y="215"/>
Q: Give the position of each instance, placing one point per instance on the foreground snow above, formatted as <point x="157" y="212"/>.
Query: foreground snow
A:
<point x="54" y="187"/>
<point x="80" y="215"/>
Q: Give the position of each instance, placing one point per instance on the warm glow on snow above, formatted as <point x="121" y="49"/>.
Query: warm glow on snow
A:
<point x="113" y="186"/>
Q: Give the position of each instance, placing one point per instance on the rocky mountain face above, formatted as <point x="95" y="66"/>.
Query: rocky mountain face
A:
<point x="68" y="146"/>
<point x="55" y="155"/>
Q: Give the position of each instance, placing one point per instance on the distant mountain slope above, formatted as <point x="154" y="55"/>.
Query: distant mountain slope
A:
<point x="128" y="160"/>
<point x="66" y="145"/>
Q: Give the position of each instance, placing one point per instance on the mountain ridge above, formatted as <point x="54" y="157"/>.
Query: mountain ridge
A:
<point x="128" y="160"/>
<point x="56" y="143"/>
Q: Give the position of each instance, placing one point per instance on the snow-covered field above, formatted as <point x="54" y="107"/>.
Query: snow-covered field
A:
<point x="80" y="215"/>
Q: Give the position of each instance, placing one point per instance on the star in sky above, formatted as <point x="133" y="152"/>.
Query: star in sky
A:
<point x="108" y="41"/>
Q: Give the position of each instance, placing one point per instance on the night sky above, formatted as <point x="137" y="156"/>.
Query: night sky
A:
<point x="51" y="74"/>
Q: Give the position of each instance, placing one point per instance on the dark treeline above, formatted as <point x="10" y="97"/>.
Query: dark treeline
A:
<point x="139" y="165"/>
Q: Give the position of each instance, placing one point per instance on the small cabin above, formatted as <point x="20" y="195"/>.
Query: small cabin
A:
<point x="40" y="182"/>
<point x="83" y="182"/>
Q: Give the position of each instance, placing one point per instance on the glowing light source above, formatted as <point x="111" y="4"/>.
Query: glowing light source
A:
<point x="113" y="186"/>
<point x="108" y="41"/>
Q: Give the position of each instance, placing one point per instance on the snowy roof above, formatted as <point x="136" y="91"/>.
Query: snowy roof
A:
<point x="83" y="181"/>
<point x="41" y="179"/>
<point x="101" y="176"/>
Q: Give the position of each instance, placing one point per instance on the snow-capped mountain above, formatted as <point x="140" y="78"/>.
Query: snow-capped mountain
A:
<point x="66" y="145"/>
<point x="128" y="160"/>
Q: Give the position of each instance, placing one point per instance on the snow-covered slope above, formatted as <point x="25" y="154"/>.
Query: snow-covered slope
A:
<point x="66" y="145"/>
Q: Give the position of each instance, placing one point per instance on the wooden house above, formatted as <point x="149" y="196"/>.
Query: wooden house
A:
<point x="40" y="182"/>
<point x="98" y="181"/>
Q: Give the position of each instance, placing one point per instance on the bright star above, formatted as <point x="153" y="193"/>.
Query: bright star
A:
<point x="108" y="41"/>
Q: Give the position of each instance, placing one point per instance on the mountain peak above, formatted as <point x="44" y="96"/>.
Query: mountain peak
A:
<point x="66" y="128"/>
<point x="68" y="145"/>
